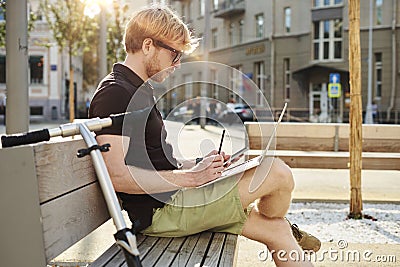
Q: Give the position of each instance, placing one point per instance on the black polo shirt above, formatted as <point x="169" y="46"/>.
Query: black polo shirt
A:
<point x="122" y="91"/>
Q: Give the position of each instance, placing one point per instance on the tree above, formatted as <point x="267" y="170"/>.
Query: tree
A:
<point x="3" y="24"/>
<point x="32" y="18"/>
<point x="115" y="50"/>
<point x="71" y="30"/>
<point x="115" y="29"/>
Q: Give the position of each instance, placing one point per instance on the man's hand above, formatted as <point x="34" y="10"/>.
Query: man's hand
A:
<point x="215" y="152"/>
<point x="208" y="169"/>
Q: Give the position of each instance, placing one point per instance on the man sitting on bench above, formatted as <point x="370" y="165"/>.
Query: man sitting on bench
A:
<point x="166" y="202"/>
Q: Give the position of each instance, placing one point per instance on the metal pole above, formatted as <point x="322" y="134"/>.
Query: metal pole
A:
<point x="368" y="113"/>
<point x="272" y="96"/>
<point x="103" y="43"/>
<point x="17" y="114"/>
<point x="205" y="84"/>
<point x="104" y="179"/>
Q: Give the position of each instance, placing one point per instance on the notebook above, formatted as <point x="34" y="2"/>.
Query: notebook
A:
<point x="251" y="163"/>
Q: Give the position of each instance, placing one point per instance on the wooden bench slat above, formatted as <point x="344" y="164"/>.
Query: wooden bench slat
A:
<point x="215" y="250"/>
<point x="228" y="255"/>
<point x="147" y="245"/>
<point x="171" y="252"/>
<point x="156" y="251"/>
<point x="59" y="170"/>
<point x="112" y="252"/>
<point x="106" y="257"/>
<point x="117" y="260"/>
<point x="87" y="211"/>
<point x="333" y="160"/>
<point x="323" y="136"/>
<point x="187" y="250"/>
<point x="200" y="249"/>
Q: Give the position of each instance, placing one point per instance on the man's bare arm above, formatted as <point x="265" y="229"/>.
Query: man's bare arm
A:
<point x="134" y="180"/>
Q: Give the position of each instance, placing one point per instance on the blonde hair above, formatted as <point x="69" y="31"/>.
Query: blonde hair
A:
<point x="159" y="23"/>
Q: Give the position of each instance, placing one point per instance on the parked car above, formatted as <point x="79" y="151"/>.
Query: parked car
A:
<point x="242" y="111"/>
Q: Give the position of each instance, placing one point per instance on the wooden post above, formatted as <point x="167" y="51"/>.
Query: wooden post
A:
<point x="355" y="140"/>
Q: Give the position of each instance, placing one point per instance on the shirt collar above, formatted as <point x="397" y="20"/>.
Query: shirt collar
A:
<point x="128" y="74"/>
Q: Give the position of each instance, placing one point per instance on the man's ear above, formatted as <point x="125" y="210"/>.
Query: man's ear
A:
<point x="147" y="45"/>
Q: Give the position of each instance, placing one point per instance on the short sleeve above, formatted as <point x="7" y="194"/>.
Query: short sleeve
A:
<point x="113" y="99"/>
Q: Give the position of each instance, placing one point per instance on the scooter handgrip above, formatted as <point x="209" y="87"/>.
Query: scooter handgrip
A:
<point x="25" y="138"/>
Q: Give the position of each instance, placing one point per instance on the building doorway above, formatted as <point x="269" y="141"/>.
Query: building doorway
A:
<point x="322" y="107"/>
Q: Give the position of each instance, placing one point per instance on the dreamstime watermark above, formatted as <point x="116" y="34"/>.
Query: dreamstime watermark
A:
<point x="339" y="254"/>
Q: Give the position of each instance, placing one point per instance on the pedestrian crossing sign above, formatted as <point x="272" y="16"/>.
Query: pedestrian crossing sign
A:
<point x="334" y="90"/>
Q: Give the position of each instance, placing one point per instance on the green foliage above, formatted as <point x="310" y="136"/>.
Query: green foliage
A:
<point x="90" y="60"/>
<point x="115" y="31"/>
<point x="115" y="50"/>
<point x="3" y="24"/>
<point x="32" y="18"/>
<point x="77" y="32"/>
<point x="68" y="23"/>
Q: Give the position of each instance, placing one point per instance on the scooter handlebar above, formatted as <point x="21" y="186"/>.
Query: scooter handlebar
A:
<point x="25" y="138"/>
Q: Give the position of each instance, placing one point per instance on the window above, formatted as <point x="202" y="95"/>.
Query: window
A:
<point x="236" y="78"/>
<point x="215" y="4"/>
<point x="162" y="2"/>
<point x="260" y="26"/>
<point x="2" y="69"/>
<point x="183" y="11"/>
<point x="378" y="9"/>
<point x="288" y="22"/>
<point x="260" y="81"/>
<point x="286" y="71"/>
<point x="202" y="8"/>
<point x="378" y="75"/>
<point x="231" y="34"/>
<point x="188" y="86"/>
<point x="201" y="44"/>
<point x="214" y="38"/>
<point x="327" y="3"/>
<point x="36" y="69"/>
<point x="327" y="39"/>
<point x="241" y="26"/>
<point x="36" y="111"/>
<point x="189" y="12"/>
<point x="214" y="83"/>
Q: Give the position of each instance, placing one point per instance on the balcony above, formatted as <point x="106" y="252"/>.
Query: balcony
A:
<point x="229" y="8"/>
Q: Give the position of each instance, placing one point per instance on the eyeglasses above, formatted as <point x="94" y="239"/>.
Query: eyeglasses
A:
<point x="176" y="53"/>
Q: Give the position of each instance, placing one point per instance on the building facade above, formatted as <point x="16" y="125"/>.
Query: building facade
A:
<point x="294" y="51"/>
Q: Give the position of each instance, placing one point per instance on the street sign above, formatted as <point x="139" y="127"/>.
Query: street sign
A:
<point x="334" y="78"/>
<point x="334" y="86"/>
<point x="334" y="90"/>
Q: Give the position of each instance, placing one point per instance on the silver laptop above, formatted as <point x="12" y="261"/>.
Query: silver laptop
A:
<point x="251" y="163"/>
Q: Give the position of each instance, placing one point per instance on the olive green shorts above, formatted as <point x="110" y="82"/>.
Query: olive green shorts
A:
<point x="215" y="208"/>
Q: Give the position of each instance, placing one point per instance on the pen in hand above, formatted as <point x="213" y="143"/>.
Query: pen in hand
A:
<point x="222" y="139"/>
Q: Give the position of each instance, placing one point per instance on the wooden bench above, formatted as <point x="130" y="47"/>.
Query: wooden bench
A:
<point x="323" y="145"/>
<point x="50" y="199"/>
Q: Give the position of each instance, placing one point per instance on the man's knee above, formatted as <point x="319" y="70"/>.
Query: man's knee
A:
<point x="283" y="176"/>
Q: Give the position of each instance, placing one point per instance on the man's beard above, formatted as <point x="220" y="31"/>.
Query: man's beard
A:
<point x="154" y="71"/>
<point x="152" y="66"/>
